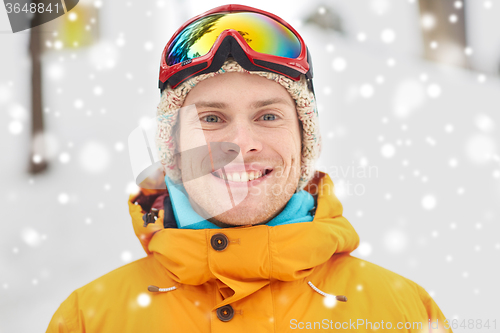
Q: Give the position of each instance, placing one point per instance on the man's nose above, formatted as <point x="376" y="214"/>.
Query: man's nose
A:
<point x="243" y="135"/>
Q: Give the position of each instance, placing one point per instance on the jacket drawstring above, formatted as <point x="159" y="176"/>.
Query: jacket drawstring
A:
<point x="341" y="298"/>
<point x="155" y="289"/>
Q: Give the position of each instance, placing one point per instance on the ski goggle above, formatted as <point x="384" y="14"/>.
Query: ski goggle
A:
<point x="257" y="40"/>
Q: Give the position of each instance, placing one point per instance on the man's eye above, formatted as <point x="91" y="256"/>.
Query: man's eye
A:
<point x="210" y="119"/>
<point x="269" y="116"/>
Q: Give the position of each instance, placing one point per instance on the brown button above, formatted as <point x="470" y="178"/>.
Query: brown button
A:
<point x="219" y="242"/>
<point x="225" y="313"/>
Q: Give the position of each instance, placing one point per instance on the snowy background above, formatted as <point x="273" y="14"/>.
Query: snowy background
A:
<point x="412" y="147"/>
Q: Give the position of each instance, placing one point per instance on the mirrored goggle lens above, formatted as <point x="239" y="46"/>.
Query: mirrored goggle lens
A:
<point x="262" y="33"/>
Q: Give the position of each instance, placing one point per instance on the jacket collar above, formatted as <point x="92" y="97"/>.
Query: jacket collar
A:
<point x="256" y="254"/>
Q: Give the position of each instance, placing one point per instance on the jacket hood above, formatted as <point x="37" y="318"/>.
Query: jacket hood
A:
<point x="255" y="254"/>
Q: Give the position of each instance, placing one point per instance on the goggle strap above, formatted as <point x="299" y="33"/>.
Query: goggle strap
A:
<point x="310" y="86"/>
<point x="309" y="73"/>
<point x="276" y="68"/>
<point x="187" y="72"/>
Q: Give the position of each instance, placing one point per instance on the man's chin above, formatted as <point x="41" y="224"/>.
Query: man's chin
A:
<point x="253" y="206"/>
<point x="253" y="210"/>
<point x="239" y="218"/>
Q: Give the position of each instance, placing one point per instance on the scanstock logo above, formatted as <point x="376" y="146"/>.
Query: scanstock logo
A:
<point x="26" y="14"/>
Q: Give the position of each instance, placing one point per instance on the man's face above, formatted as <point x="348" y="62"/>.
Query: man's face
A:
<point x="259" y="116"/>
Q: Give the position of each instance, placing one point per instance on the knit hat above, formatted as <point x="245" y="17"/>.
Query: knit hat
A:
<point x="173" y="99"/>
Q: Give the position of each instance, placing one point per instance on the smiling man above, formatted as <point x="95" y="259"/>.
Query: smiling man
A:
<point x="243" y="235"/>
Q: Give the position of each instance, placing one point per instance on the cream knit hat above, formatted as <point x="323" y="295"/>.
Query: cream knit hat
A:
<point x="172" y="100"/>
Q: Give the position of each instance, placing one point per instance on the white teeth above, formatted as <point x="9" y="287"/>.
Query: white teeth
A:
<point x="236" y="177"/>
<point x="239" y="177"/>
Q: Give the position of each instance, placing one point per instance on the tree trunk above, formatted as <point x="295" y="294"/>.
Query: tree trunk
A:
<point x="37" y="140"/>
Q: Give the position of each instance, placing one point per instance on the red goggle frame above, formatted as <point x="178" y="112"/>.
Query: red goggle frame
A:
<point x="231" y="42"/>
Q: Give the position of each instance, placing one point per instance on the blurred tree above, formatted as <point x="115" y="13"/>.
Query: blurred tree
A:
<point x="326" y="18"/>
<point x="37" y="163"/>
<point x="444" y="31"/>
<point x="71" y="30"/>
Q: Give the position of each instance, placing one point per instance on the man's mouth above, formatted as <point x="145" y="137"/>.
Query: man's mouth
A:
<point x="241" y="177"/>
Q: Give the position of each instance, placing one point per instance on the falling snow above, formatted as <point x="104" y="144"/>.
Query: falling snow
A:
<point x="78" y="103"/>
<point x="98" y="90"/>
<point x="126" y="256"/>
<point x="143" y="300"/>
<point x="15" y="127"/>
<point x="408" y="98"/>
<point x="366" y="90"/>
<point x="364" y="249"/>
<point x="94" y="157"/>
<point x="63" y="198"/>
<point x="148" y="46"/>
<point x="388" y="36"/>
<point x="330" y="301"/>
<point x="388" y="150"/>
<point x="64" y="157"/>
<point x="480" y="148"/>
<point x="31" y="237"/>
<point x="434" y="90"/>
<point x="339" y="64"/>
<point x="391" y="62"/>
<point x="484" y="123"/>
<point x="429" y="202"/>
<point x="432" y="135"/>
<point x="395" y="241"/>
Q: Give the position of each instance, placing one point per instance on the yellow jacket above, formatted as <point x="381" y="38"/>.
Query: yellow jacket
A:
<point x="250" y="279"/>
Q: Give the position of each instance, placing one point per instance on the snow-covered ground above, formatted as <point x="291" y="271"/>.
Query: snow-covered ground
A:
<point x="412" y="148"/>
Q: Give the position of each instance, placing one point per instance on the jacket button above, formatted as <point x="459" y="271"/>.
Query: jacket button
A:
<point x="219" y="242"/>
<point x="225" y="313"/>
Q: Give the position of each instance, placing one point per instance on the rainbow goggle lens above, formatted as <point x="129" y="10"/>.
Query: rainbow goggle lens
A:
<point x="262" y="33"/>
<point x="257" y="40"/>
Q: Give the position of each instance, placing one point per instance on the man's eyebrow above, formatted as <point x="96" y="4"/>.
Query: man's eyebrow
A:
<point x="277" y="100"/>
<point x="208" y="104"/>
<point x="255" y="105"/>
